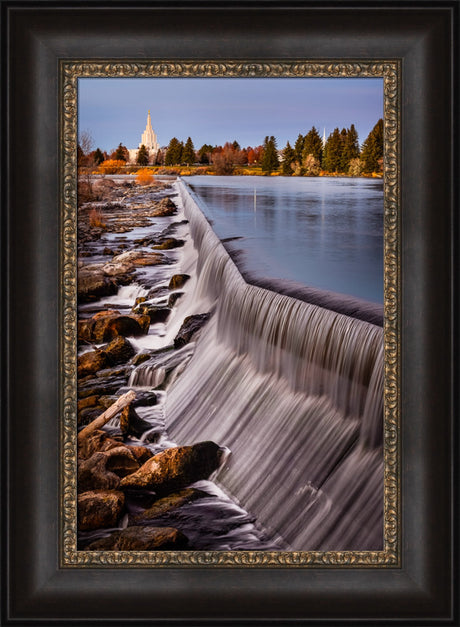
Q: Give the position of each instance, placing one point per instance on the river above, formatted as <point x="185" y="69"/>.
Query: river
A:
<point x="322" y="232"/>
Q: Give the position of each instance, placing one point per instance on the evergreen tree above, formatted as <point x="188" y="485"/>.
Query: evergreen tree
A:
<point x="188" y="154"/>
<point x="270" y="159"/>
<point x="372" y="150"/>
<point x="288" y="159"/>
<point x="98" y="156"/>
<point x="333" y="152"/>
<point x="121" y="153"/>
<point x="312" y="145"/>
<point x="204" y="153"/>
<point x="298" y="148"/>
<point x="236" y="146"/>
<point x="174" y="152"/>
<point x="142" y="156"/>
<point x="350" y="148"/>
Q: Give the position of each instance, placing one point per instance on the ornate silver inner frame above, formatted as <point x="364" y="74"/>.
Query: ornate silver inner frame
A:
<point x="70" y="72"/>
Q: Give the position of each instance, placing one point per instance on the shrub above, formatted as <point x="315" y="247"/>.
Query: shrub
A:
<point x="95" y="219"/>
<point x="144" y="177"/>
<point x="112" y="166"/>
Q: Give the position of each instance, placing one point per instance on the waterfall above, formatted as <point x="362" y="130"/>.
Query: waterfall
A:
<point x="295" y="391"/>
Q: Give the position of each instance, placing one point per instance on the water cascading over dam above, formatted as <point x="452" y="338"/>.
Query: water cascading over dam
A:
<point x="295" y="391"/>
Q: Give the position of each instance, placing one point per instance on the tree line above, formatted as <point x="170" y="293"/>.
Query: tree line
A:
<point x="341" y="154"/>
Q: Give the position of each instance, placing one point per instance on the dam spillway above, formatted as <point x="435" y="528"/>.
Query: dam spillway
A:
<point x="295" y="391"/>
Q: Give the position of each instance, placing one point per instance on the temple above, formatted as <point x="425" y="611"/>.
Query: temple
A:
<point x="149" y="139"/>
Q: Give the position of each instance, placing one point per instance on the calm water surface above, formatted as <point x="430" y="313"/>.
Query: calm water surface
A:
<point x="322" y="232"/>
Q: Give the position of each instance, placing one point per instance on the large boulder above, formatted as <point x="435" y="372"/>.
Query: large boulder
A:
<point x="99" y="509"/>
<point x="176" y="468"/>
<point x="119" y="351"/>
<point x="107" y="325"/>
<point x="117" y="269"/>
<point x="103" y="470"/>
<point x="167" y="505"/>
<point x="189" y="327"/>
<point x="91" y="362"/>
<point x="92" y="284"/>
<point x="164" y="207"/>
<point x="178" y="280"/>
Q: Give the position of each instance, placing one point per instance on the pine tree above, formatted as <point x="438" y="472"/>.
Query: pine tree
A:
<point x="204" y="153"/>
<point x="288" y="159"/>
<point x="142" y="156"/>
<point x="298" y="148"/>
<point x="98" y="156"/>
<point x="312" y="145"/>
<point x="333" y="152"/>
<point x="174" y="152"/>
<point x="188" y="154"/>
<point x="121" y="153"/>
<point x="270" y="159"/>
<point x="372" y="150"/>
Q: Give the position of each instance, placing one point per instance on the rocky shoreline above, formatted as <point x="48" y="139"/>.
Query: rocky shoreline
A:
<point x="136" y="489"/>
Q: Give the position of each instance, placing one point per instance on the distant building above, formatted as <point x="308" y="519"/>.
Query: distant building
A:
<point x="149" y="139"/>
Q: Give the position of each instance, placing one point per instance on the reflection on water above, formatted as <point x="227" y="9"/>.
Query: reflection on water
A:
<point x="322" y="232"/>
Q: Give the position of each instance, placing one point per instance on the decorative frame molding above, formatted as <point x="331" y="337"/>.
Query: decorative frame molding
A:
<point x="70" y="72"/>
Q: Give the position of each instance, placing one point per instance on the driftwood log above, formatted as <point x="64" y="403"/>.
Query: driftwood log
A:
<point x="104" y="418"/>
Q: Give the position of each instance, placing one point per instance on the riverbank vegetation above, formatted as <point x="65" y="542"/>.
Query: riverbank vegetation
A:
<point x="309" y="155"/>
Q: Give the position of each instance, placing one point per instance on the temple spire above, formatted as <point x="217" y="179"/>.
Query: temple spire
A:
<point x="149" y="138"/>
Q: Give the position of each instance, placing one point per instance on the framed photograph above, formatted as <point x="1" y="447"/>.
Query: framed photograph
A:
<point x="237" y="344"/>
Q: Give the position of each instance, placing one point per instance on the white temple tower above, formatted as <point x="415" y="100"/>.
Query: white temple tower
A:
<point x="149" y="139"/>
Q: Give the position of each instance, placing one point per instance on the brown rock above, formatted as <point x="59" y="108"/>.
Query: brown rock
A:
<point x="107" y="327"/>
<point x="99" y="509"/>
<point x="141" y="453"/>
<point x="104" y="469"/>
<point x="105" y="313"/>
<point x="140" y="358"/>
<point x="176" y="468"/>
<point x="97" y="441"/>
<point x="119" y="268"/>
<point x="131" y="423"/>
<point x="104" y="544"/>
<point x="150" y="539"/>
<point x="119" y="351"/>
<point x="164" y="207"/>
<point x="91" y="362"/>
<point x="134" y="258"/>
<point x="173" y="298"/>
<point x="92" y="285"/>
<point x="155" y="314"/>
<point x="167" y="505"/>
<point x="168" y="244"/>
<point x="189" y="327"/>
<point x="178" y="280"/>
<point x="89" y="401"/>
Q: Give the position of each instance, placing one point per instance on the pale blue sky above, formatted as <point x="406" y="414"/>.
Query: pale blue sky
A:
<point x="216" y="110"/>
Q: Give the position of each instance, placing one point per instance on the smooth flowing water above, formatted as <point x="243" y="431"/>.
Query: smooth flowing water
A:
<point x="322" y="232"/>
<point x="295" y="391"/>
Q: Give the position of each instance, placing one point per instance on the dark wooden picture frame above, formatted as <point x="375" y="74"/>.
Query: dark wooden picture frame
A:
<point x="423" y="37"/>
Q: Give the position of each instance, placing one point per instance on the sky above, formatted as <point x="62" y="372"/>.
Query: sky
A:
<point x="216" y="110"/>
